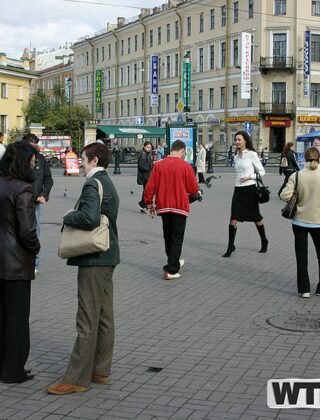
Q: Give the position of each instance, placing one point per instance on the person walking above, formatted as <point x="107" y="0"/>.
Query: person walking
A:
<point x="159" y="151"/>
<point x="19" y="246"/>
<point x="307" y="217"/>
<point x="288" y="164"/>
<point x="91" y="357"/>
<point x="145" y="165"/>
<point x="245" y="206"/>
<point x="172" y="180"/>
<point x="201" y="163"/>
<point x="41" y="186"/>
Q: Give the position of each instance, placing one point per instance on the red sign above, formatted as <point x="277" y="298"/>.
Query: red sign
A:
<point x="71" y="164"/>
<point x="277" y="121"/>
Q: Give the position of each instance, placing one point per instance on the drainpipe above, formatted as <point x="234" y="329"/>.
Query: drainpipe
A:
<point x="226" y="73"/>
<point x="294" y="79"/>
<point x="144" y="70"/>
<point x="181" y="53"/>
<point x="93" y="81"/>
<point x="117" y="77"/>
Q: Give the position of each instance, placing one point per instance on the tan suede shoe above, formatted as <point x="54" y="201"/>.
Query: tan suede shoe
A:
<point x="64" y="388"/>
<point x="99" y="379"/>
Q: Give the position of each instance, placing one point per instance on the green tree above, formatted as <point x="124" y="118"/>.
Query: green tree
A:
<point x="15" y="134"/>
<point x="36" y="109"/>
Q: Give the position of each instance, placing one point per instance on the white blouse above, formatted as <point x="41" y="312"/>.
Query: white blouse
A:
<point x="247" y="165"/>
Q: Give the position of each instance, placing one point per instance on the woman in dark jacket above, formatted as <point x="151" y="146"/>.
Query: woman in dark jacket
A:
<point x="19" y="246"/>
<point x="91" y="356"/>
<point x="145" y="165"/>
<point x="290" y="162"/>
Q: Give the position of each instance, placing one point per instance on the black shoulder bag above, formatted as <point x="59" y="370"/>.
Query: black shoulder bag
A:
<point x="262" y="191"/>
<point x="290" y="208"/>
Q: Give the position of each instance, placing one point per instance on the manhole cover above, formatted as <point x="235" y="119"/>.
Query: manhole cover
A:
<point x="132" y="242"/>
<point x="295" y="321"/>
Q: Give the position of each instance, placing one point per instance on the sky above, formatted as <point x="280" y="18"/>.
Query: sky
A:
<point x="51" y="23"/>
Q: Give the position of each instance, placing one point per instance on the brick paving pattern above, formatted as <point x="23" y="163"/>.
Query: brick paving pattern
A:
<point x="206" y="333"/>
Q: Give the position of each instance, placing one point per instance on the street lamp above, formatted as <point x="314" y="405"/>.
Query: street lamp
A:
<point x="187" y="82"/>
<point x="69" y="85"/>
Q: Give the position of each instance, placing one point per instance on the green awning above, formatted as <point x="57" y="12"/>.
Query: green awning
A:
<point x="127" y="131"/>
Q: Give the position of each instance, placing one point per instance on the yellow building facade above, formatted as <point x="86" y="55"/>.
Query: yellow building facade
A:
<point x="15" y="78"/>
<point x="112" y="69"/>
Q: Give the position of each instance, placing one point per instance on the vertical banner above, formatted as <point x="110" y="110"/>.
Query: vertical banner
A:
<point x="245" y="65"/>
<point x="67" y="89"/>
<point x="186" y="84"/>
<point x="154" y="80"/>
<point x="306" y="64"/>
<point x="98" y="85"/>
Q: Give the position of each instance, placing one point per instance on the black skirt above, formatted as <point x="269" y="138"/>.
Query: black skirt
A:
<point x="245" y="206"/>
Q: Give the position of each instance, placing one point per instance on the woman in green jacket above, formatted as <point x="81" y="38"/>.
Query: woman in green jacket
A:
<point x="91" y="356"/>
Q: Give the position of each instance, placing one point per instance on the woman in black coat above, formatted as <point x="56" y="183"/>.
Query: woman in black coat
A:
<point x="145" y="165"/>
<point x="19" y="246"/>
<point x="290" y="162"/>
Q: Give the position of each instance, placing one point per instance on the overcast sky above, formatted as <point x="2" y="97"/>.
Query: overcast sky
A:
<point x="51" y="23"/>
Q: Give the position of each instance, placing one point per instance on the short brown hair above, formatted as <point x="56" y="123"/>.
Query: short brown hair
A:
<point x="312" y="155"/>
<point x="99" y="151"/>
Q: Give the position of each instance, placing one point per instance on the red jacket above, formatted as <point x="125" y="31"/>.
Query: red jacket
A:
<point x="171" y="180"/>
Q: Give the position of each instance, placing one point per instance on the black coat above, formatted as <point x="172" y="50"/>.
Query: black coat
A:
<point x="292" y="162"/>
<point x="18" y="237"/>
<point x="145" y="165"/>
<point x="43" y="181"/>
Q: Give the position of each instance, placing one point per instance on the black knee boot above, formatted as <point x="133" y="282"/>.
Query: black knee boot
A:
<point x="232" y="235"/>
<point x="264" y="240"/>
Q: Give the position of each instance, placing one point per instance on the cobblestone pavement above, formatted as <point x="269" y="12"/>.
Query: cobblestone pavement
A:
<point x="200" y="347"/>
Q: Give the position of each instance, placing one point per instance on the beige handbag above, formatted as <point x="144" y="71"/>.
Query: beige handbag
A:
<point x="76" y="242"/>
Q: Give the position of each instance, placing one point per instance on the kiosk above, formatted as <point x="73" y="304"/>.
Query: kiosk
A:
<point x="303" y="143"/>
<point x="186" y="132"/>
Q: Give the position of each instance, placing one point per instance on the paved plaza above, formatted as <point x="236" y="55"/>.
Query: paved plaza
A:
<point x="200" y="347"/>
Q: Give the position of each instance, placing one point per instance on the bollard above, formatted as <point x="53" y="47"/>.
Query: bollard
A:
<point x="117" y="162"/>
<point x="210" y="170"/>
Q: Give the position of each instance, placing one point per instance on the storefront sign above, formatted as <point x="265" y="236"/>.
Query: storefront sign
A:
<point x="154" y="78"/>
<point x="186" y="84"/>
<point x="306" y="64"/>
<point x="309" y="119"/>
<point x="242" y="119"/>
<point x="98" y="90"/>
<point x="277" y="121"/>
<point x="245" y="65"/>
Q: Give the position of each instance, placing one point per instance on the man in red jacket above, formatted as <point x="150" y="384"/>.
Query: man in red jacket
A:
<point x="172" y="180"/>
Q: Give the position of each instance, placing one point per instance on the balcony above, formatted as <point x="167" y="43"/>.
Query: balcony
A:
<point x="276" y="64"/>
<point x="270" y="108"/>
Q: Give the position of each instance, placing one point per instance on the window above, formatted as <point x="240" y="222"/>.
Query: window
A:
<point x="189" y="26"/>
<point x="135" y="73"/>
<point x="142" y="71"/>
<point x="315" y="8"/>
<point x="87" y="58"/>
<point x="235" y="52"/>
<point x="201" y="22"/>
<point x="136" y="42"/>
<point x="176" y="99"/>
<point x="223" y="55"/>
<point x="97" y="55"/>
<point x="168" y="66"/>
<point x="121" y="108"/>
<point x="159" y="68"/>
<point x="212" y="16"/>
<point x="109" y="109"/>
<point x="142" y="105"/>
<point x="159" y="109"/>
<point x="142" y="40"/>
<point x="280" y="7"/>
<point x="315" y="95"/>
<point x="122" y="47"/>
<point x="109" y="51"/>
<point x="235" y="12"/>
<point x="135" y="108"/>
<point x="4" y="90"/>
<point x="222" y="94"/>
<point x="128" y="75"/>
<point x="121" y="76"/>
<point x="159" y="35"/>
<point x="223" y="15"/>
<point x="250" y="9"/>
<point x="279" y="47"/>
<point x="315" y="47"/>
<point x="176" y="65"/>
<point x="168" y="32"/>
<point x="278" y="93"/>
<point x="211" y="57"/>
<point x="109" y="79"/>
<point x="129" y="45"/>
<point x="168" y="102"/>
<point x="102" y="53"/>
<point x="128" y="107"/>
<point x="151" y="38"/>
<point x="234" y="96"/>
<point x="176" y="29"/>
<point x="3" y="123"/>
<point x="200" y="100"/>
<point x="200" y="60"/>
<point x="211" y="98"/>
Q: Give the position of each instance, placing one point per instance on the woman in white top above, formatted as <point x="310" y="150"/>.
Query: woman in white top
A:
<point x="307" y="217"/>
<point x="245" y="206"/>
<point x="201" y="163"/>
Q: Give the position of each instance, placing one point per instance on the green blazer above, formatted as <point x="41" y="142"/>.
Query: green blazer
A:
<point x="87" y="217"/>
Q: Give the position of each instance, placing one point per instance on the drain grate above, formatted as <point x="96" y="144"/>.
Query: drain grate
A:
<point x="296" y="321"/>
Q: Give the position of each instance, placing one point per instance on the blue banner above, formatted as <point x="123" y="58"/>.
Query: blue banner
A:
<point x="154" y="79"/>
<point x="306" y="64"/>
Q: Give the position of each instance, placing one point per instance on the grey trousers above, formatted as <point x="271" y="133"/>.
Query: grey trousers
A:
<point x="92" y="351"/>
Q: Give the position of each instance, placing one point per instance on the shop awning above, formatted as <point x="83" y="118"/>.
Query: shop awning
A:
<point x="135" y="131"/>
<point x="309" y="136"/>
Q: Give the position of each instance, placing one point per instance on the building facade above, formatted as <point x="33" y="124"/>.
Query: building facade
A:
<point x="112" y="69"/>
<point x="15" y="79"/>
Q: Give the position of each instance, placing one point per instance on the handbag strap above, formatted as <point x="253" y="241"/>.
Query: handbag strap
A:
<point x="100" y="190"/>
<point x="296" y="183"/>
